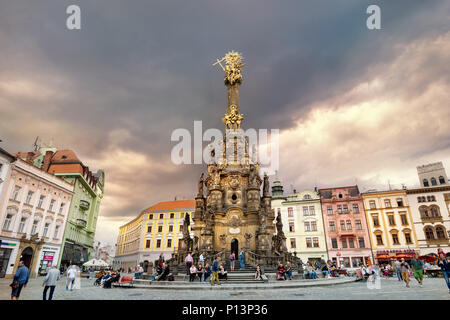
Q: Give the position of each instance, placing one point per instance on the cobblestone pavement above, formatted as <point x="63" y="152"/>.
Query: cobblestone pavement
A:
<point x="433" y="289"/>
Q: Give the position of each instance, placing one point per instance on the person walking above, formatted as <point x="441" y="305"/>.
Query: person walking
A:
<point x="201" y="259"/>
<point x="189" y="260"/>
<point x="232" y="260"/>
<point x="241" y="259"/>
<point x="20" y="280"/>
<point x="50" y="283"/>
<point x="444" y="263"/>
<point x="405" y="271"/>
<point x="398" y="270"/>
<point x="70" y="281"/>
<point x="215" y="271"/>
<point x="418" y="269"/>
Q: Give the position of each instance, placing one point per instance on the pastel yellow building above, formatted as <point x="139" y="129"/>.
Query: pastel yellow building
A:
<point x="158" y="229"/>
<point x="390" y="225"/>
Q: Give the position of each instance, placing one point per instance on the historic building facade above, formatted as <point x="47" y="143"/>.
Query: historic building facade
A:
<point x="345" y="224"/>
<point x="301" y="214"/>
<point x="158" y="229"/>
<point x="88" y="190"/>
<point x="390" y="223"/>
<point x="33" y="215"/>
<point x="430" y="208"/>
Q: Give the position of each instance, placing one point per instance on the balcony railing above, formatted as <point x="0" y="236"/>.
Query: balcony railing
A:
<point x="431" y="219"/>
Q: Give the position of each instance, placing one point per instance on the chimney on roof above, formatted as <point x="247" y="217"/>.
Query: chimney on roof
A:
<point x="47" y="159"/>
<point x="29" y="158"/>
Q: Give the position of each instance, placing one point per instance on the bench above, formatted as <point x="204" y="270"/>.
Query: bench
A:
<point x="124" y="281"/>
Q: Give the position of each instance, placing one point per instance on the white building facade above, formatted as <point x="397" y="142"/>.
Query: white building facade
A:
<point x="33" y="214"/>
<point x="301" y="214"/>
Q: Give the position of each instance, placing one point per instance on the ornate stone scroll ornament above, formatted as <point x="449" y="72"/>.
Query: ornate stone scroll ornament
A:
<point x="223" y="239"/>
<point x="200" y="186"/>
<point x="247" y="237"/>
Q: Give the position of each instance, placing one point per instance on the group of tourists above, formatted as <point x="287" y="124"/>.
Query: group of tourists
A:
<point x="107" y="278"/>
<point x="284" y="272"/>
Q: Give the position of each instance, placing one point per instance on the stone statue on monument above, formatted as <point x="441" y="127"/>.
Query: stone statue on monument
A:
<point x="200" y="186"/>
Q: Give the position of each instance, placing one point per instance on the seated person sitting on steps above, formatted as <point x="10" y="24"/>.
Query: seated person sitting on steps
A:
<point x="200" y="271"/>
<point x="258" y="273"/>
<point x="281" y="272"/>
<point x="192" y="273"/>
<point x="164" y="274"/>
<point x="223" y="274"/>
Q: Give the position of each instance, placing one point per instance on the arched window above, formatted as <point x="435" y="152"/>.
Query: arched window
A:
<point x="433" y="182"/>
<point x="307" y="197"/>
<point x="440" y="232"/>
<point x="424" y="212"/>
<point x="425" y="183"/>
<point x="441" y="180"/>
<point x="429" y="233"/>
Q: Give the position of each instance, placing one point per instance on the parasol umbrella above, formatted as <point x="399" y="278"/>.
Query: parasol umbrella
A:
<point x="95" y="263"/>
<point x="427" y="258"/>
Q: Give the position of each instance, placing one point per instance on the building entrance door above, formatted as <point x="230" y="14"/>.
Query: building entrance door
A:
<point x="27" y="256"/>
<point x="4" y="261"/>
<point x="235" y="247"/>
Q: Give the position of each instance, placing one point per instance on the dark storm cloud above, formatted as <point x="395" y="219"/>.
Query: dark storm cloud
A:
<point x="138" y="70"/>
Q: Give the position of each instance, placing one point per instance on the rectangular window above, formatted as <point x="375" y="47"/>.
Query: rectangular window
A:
<point x="332" y="226"/>
<point x="34" y="227"/>
<point x="395" y="238"/>
<point x="15" y="195"/>
<point x="312" y="211"/>
<point x="372" y="204"/>
<point x="170" y="228"/>
<point x="147" y="244"/>
<point x="342" y="225"/>
<point x="160" y="229"/>
<point x="305" y="211"/>
<point x="181" y="228"/>
<point x="61" y="208"/>
<point x="408" y="238"/>
<point x="349" y="225"/>
<point x="355" y="208"/>
<point x="149" y="229"/>
<point x="330" y="209"/>
<point x="150" y="216"/>
<point x="313" y="226"/>
<point x="308" y="243"/>
<point x="339" y="209"/>
<point x="55" y="235"/>
<point x="22" y="225"/>
<point x="7" y="222"/>
<point x="399" y="202"/>
<point x="307" y="226"/>
<point x="351" y="244"/>
<point x="387" y="203"/>
<point x="344" y="243"/>
<point x="345" y="208"/>
<point x="290" y="212"/>
<point x="293" y="244"/>
<point x="41" y="201"/>
<point x="52" y="203"/>
<point x="404" y="219"/>
<point x="358" y="225"/>
<point x="161" y="215"/>
<point x="29" y="197"/>
<point x="180" y="243"/>
<point x="376" y="223"/>
<point x="172" y="215"/>
<point x="169" y="243"/>
<point x="46" y="229"/>
<point x="316" y="242"/>
<point x="379" y="240"/>
<point x="158" y="243"/>
<point x="391" y="220"/>
<point x="361" y="243"/>
<point x="334" y="243"/>
<point x="291" y="227"/>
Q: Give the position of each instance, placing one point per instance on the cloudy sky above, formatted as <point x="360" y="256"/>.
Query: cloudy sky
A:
<point x="353" y="105"/>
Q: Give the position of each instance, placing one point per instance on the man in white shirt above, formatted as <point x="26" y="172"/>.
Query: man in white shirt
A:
<point x="71" y="274"/>
<point x="201" y="259"/>
<point x="398" y="270"/>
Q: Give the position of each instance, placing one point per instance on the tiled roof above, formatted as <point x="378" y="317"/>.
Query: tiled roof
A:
<point x="66" y="168"/>
<point x="179" y="204"/>
<point x="65" y="156"/>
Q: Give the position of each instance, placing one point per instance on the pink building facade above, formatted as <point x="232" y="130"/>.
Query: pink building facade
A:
<point x="346" y="230"/>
